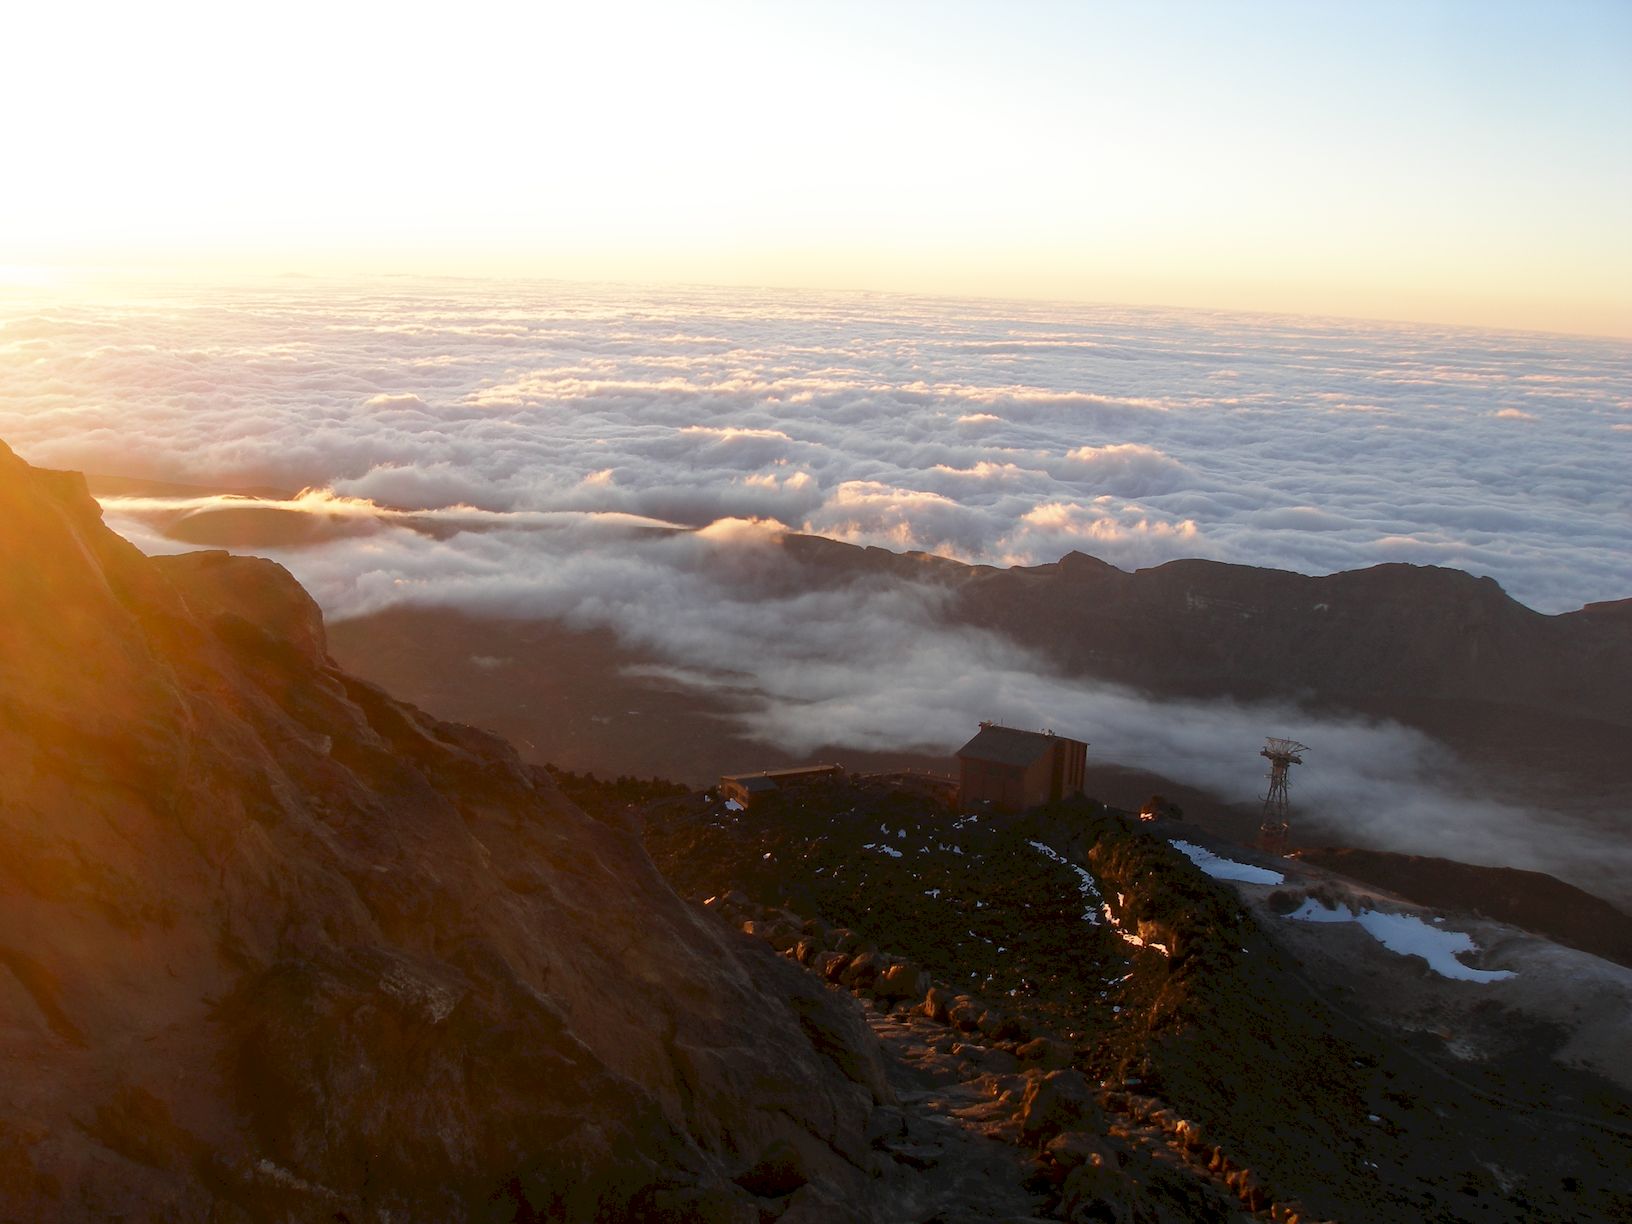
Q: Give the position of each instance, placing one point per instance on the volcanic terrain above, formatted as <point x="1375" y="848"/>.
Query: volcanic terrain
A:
<point x="276" y="945"/>
<point x="1228" y="1012"/>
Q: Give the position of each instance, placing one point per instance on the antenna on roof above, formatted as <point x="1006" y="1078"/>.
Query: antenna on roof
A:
<point x="1282" y="754"/>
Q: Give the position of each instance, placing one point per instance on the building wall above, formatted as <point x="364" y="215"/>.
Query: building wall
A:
<point x="1058" y="773"/>
<point x="1002" y="786"/>
<point x="1073" y="758"/>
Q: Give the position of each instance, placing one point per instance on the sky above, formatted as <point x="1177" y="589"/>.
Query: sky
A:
<point x="1459" y="163"/>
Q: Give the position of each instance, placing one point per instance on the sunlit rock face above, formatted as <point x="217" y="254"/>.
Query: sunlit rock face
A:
<point x="273" y="944"/>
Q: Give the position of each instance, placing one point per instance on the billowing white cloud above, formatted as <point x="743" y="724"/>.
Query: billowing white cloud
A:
<point x="1129" y="469"/>
<point x="1246" y="439"/>
<point x="548" y="436"/>
<point x="1107" y="528"/>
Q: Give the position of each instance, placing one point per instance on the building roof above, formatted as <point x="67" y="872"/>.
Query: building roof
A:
<point x="1008" y="745"/>
<point x="752" y="783"/>
<point x="767" y="779"/>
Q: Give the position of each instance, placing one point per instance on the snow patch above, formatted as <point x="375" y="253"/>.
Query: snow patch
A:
<point x="1408" y="935"/>
<point x="1221" y="868"/>
<point x="1085" y="882"/>
<point x="883" y="849"/>
<point x="731" y="805"/>
<point x="1128" y="936"/>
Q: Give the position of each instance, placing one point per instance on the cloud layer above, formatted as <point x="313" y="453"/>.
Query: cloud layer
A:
<point x="544" y="435"/>
<point x="991" y="432"/>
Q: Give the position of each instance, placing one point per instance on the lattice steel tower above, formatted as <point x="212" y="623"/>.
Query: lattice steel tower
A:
<point x="1282" y="754"/>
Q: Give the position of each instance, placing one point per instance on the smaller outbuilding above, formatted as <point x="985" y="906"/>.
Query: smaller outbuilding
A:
<point x="1011" y="769"/>
<point x="746" y="788"/>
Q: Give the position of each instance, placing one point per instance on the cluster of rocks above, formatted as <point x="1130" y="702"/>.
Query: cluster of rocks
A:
<point x="1108" y="1152"/>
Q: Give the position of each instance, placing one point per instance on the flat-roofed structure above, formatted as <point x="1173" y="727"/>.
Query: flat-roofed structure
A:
<point x="745" y="788"/>
<point x="1014" y="770"/>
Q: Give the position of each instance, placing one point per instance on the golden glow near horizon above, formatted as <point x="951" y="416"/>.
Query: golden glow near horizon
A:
<point x="1452" y="162"/>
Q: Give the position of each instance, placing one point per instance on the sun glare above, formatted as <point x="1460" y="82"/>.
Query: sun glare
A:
<point x="1395" y="162"/>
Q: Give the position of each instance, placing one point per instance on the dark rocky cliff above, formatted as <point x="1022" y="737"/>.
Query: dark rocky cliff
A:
<point x="274" y="945"/>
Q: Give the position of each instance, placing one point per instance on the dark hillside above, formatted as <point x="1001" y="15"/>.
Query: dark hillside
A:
<point x="1217" y="1032"/>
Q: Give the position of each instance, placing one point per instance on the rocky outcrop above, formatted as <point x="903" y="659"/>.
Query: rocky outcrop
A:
<point x="274" y="945"/>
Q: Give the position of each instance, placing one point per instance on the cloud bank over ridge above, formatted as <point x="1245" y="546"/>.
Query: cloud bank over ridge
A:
<point x="534" y="441"/>
<point x="998" y="433"/>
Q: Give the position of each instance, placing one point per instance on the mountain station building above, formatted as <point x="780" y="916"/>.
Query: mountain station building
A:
<point x="746" y="788"/>
<point x="1013" y="770"/>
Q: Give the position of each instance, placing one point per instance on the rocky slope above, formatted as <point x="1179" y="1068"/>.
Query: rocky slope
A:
<point x="276" y="946"/>
<point x="1230" y="1061"/>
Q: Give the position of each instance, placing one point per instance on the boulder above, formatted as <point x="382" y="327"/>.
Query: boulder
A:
<point x="937" y="1005"/>
<point x="834" y="966"/>
<point x="780" y="934"/>
<point x="1072" y="1148"/>
<point x="823" y="965"/>
<point x="1047" y="1052"/>
<point x="863" y="969"/>
<point x="965" y="1014"/>
<point x="902" y="981"/>
<point x="1191" y="1135"/>
<point x="1060" y="1100"/>
<point x="1000" y="1026"/>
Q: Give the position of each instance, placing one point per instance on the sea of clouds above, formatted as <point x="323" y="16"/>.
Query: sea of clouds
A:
<point x="546" y="429"/>
<point x="1000" y="433"/>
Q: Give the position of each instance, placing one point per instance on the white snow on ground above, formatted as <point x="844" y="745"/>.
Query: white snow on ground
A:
<point x="1085" y="882"/>
<point x="1313" y="911"/>
<point x="1129" y="937"/>
<point x="1408" y="935"/>
<point x="1227" y="869"/>
<point x="883" y="849"/>
<point x="731" y="805"/>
